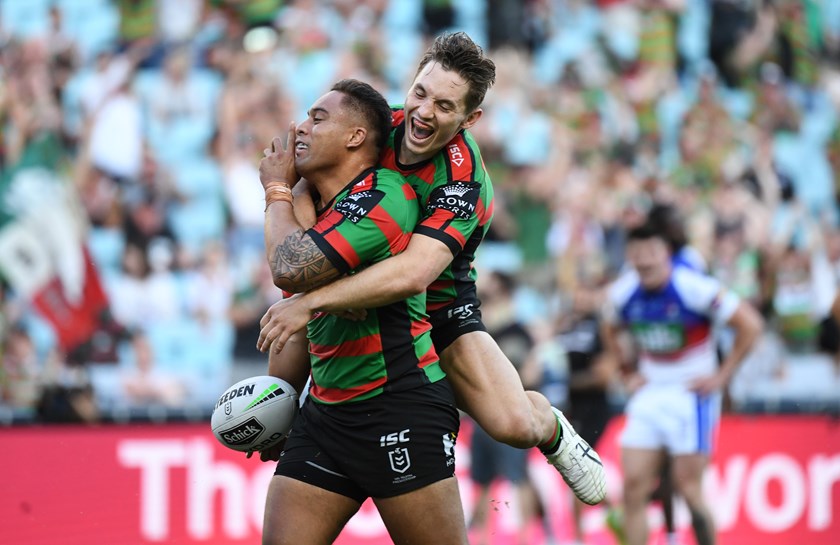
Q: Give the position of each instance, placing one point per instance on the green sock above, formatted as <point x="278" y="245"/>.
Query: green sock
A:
<point x="550" y="446"/>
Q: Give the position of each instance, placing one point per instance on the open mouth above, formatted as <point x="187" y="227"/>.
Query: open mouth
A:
<point x="420" y="132"/>
<point x="300" y="147"/>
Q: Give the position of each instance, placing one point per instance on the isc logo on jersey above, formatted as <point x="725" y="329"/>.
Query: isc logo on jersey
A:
<point x="455" y="155"/>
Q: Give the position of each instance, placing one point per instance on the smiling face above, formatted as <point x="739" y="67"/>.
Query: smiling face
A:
<point x="435" y="110"/>
<point x="320" y="140"/>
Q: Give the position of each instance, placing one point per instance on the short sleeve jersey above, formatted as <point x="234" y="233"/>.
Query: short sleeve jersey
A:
<point x="672" y="326"/>
<point x="371" y="219"/>
<point x="456" y="197"/>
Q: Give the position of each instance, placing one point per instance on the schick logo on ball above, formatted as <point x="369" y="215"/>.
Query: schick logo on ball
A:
<point x="243" y="433"/>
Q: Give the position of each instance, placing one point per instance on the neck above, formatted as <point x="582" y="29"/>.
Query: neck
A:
<point x="407" y="157"/>
<point x="331" y="181"/>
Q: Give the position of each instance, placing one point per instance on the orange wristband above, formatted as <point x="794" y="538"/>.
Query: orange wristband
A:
<point x="278" y="192"/>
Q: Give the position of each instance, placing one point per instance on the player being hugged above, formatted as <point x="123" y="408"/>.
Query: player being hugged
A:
<point x="676" y="391"/>
<point x="380" y="420"/>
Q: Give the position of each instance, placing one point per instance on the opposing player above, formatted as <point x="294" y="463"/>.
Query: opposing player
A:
<point x="380" y="420"/>
<point x="430" y="144"/>
<point x="676" y="392"/>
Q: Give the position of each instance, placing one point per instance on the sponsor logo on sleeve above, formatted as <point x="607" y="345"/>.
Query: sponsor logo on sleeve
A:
<point x="459" y="198"/>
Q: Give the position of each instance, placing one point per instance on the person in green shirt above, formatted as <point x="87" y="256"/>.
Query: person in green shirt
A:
<point x="380" y="421"/>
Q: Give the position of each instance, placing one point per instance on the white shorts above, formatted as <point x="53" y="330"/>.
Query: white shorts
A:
<point x="671" y="417"/>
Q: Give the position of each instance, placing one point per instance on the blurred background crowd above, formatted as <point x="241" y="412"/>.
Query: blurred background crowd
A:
<point x="143" y="121"/>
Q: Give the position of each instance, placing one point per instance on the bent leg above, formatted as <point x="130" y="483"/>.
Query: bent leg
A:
<point x="688" y="480"/>
<point x="488" y="388"/>
<point x="641" y="468"/>
<point x="432" y="514"/>
<point x="297" y="513"/>
<point x="292" y="363"/>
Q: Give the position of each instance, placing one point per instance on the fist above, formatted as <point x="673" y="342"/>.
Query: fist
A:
<point x="278" y="162"/>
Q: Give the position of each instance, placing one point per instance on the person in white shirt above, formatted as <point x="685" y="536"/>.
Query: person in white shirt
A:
<point x="676" y="390"/>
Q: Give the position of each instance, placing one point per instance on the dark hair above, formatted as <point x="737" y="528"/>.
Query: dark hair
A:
<point x="646" y="231"/>
<point x="457" y="52"/>
<point x="370" y="105"/>
<point x="667" y="220"/>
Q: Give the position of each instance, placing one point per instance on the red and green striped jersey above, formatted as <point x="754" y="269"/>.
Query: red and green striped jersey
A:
<point x="371" y="219"/>
<point x="456" y="195"/>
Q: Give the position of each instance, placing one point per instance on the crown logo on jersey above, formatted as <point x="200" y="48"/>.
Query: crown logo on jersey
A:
<point x="357" y="196"/>
<point x="456" y="190"/>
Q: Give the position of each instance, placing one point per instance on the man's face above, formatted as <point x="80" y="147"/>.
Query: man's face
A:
<point x="321" y="137"/>
<point x="435" y="110"/>
<point x="651" y="259"/>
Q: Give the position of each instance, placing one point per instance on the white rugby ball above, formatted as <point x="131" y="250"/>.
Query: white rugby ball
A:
<point x="255" y="413"/>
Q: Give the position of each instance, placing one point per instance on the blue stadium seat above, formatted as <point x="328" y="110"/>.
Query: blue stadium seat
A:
<point x="25" y="18"/>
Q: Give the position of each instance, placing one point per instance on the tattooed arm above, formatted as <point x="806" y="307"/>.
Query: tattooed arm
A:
<point x="297" y="264"/>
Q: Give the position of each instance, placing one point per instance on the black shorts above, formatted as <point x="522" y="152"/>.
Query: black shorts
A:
<point x="452" y="321"/>
<point x="381" y="447"/>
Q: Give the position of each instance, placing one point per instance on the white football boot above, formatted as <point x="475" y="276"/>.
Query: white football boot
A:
<point x="579" y="464"/>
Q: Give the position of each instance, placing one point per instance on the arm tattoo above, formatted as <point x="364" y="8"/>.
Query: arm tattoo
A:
<point x="299" y="265"/>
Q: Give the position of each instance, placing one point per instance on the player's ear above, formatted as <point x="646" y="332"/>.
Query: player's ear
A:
<point x="357" y="137"/>
<point x="472" y="118"/>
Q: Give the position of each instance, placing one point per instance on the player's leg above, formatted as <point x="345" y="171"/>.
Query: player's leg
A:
<point x="297" y="513"/>
<point x="664" y="493"/>
<point x="432" y="514"/>
<point x="489" y="389"/>
<point x="688" y="480"/>
<point x="641" y="469"/>
<point x="292" y="364"/>
<point x="691" y="445"/>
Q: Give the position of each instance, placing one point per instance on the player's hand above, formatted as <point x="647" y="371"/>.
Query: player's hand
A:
<point x="271" y="453"/>
<point x="709" y="385"/>
<point x="278" y="162"/>
<point x="633" y="382"/>
<point x="283" y="319"/>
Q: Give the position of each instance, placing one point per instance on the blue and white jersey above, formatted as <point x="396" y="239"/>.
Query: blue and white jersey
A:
<point x="689" y="256"/>
<point x="673" y="326"/>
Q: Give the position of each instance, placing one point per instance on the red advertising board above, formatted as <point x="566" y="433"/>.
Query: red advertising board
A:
<point x="774" y="481"/>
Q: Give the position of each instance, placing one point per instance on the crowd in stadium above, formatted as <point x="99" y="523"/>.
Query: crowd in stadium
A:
<point x="156" y="113"/>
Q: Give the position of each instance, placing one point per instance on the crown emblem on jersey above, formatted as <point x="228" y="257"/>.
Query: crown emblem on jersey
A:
<point x="357" y="196"/>
<point x="456" y="189"/>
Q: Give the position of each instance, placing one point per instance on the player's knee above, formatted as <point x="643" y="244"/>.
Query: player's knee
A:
<point x="636" y="489"/>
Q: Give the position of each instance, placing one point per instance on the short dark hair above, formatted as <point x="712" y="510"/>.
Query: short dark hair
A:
<point x="647" y="231"/>
<point x="667" y="219"/>
<point x="457" y="52"/>
<point x="370" y="105"/>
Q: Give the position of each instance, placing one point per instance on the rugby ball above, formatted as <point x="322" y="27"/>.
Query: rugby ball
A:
<point x="255" y="413"/>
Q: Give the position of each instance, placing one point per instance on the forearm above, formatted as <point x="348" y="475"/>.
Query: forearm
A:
<point x="386" y="282"/>
<point x="296" y="262"/>
<point x="747" y="330"/>
<point x="383" y="283"/>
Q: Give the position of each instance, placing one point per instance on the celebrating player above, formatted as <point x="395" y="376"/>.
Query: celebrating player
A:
<point x="431" y="146"/>
<point x="676" y="392"/>
<point x="379" y="421"/>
